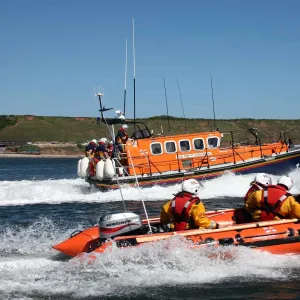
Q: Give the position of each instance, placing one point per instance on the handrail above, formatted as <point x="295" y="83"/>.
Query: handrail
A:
<point x="149" y="165"/>
<point x="232" y="145"/>
<point x="178" y="162"/>
<point x="154" y="166"/>
<point x="120" y="165"/>
<point x="202" y="161"/>
<point x="238" y="156"/>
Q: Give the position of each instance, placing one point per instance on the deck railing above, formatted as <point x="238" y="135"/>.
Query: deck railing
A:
<point x="238" y="154"/>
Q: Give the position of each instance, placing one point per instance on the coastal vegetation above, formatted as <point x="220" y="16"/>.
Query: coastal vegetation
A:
<point x="77" y="130"/>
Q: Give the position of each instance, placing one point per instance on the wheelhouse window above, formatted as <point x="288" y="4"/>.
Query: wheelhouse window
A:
<point x="198" y="144"/>
<point x="156" y="148"/>
<point x="212" y="142"/>
<point x="170" y="147"/>
<point x="185" y="145"/>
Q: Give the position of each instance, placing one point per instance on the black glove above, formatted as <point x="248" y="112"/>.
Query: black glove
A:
<point x="297" y="198"/>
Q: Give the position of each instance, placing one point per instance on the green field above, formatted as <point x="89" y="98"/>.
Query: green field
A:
<point x="77" y="130"/>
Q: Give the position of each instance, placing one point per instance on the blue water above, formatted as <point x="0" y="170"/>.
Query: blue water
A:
<point x="42" y="202"/>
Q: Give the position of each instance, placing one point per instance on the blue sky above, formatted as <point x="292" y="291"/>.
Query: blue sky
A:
<point x="53" y="53"/>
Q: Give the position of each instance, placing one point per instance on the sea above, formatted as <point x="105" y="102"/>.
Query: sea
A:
<point x="42" y="201"/>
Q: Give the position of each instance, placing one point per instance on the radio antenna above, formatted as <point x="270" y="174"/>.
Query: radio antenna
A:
<point x="133" y="49"/>
<point x="167" y="104"/>
<point x="213" y="101"/>
<point x="124" y="110"/>
<point x="182" y="106"/>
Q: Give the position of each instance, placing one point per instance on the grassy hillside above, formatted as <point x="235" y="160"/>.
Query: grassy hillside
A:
<point x="71" y="129"/>
<point x="6" y="121"/>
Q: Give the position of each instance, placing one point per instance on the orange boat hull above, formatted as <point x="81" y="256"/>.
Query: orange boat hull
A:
<point x="76" y="244"/>
<point x="277" y="237"/>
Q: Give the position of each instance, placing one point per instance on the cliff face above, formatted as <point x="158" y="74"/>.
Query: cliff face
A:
<point x="80" y="129"/>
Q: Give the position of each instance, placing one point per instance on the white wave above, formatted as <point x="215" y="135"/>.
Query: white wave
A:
<point x="77" y="190"/>
<point x="36" y="238"/>
<point x="123" y="272"/>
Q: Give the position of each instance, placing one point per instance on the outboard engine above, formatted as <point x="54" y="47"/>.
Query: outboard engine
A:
<point x="112" y="225"/>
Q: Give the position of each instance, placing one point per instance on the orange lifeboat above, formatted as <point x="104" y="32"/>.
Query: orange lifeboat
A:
<point x="167" y="159"/>
<point x="278" y="236"/>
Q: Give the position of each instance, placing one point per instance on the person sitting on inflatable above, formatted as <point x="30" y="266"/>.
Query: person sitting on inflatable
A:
<point x="186" y="210"/>
<point x="273" y="202"/>
<point x="260" y="182"/>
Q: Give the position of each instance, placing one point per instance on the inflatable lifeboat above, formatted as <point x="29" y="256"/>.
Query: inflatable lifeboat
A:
<point x="128" y="230"/>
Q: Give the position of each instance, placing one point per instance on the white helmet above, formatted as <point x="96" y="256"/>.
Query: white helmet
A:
<point x="286" y="181"/>
<point x="191" y="186"/>
<point x="103" y="140"/>
<point x="263" y="179"/>
<point x="94" y="141"/>
<point x="125" y="126"/>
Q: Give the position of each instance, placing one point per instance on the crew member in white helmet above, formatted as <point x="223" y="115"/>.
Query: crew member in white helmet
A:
<point x="260" y="182"/>
<point x="101" y="151"/>
<point x="122" y="137"/>
<point x="186" y="210"/>
<point x="90" y="148"/>
<point x="274" y="202"/>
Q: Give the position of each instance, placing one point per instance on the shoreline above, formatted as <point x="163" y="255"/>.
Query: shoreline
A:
<point x="14" y="155"/>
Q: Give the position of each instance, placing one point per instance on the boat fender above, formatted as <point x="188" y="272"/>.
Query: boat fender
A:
<point x="109" y="170"/>
<point x="78" y="168"/>
<point x="100" y="170"/>
<point x="84" y="167"/>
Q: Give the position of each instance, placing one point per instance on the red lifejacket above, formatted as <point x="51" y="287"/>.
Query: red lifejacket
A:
<point x="122" y="136"/>
<point x="272" y="199"/>
<point x="254" y="187"/>
<point x="181" y="205"/>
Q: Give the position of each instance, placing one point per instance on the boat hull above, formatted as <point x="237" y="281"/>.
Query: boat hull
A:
<point x="277" y="165"/>
<point x="277" y="237"/>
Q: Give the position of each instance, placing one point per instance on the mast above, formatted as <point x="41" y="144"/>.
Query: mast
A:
<point x="124" y="110"/>
<point x="133" y="49"/>
<point x="102" y="108"/>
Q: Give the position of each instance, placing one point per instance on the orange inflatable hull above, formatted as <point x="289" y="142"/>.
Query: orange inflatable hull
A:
<point x="278" y="236"/>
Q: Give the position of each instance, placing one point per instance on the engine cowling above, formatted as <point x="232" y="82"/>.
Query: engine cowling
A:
<point x="112" y="225"/>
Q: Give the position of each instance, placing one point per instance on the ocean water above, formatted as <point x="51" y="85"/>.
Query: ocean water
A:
<point x="42" y="202"/>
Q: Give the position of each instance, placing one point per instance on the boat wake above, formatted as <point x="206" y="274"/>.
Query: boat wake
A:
<point x="127" y="272"/>
<point x="77" y="190"/>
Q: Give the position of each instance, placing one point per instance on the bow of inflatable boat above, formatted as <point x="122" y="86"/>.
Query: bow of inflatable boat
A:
<point x="78" y="241"/>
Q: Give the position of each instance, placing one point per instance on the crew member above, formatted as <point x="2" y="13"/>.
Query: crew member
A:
<point x="101" y="151"/>
<point x="261" y="181"/>
<point x="274" y="202"/>
<point x="99" y="154"/>
<point x="185" y="210"/>
<point x="90" y="148"/>
<point x="110" y="148"/>
<point x="122" y="137"/>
